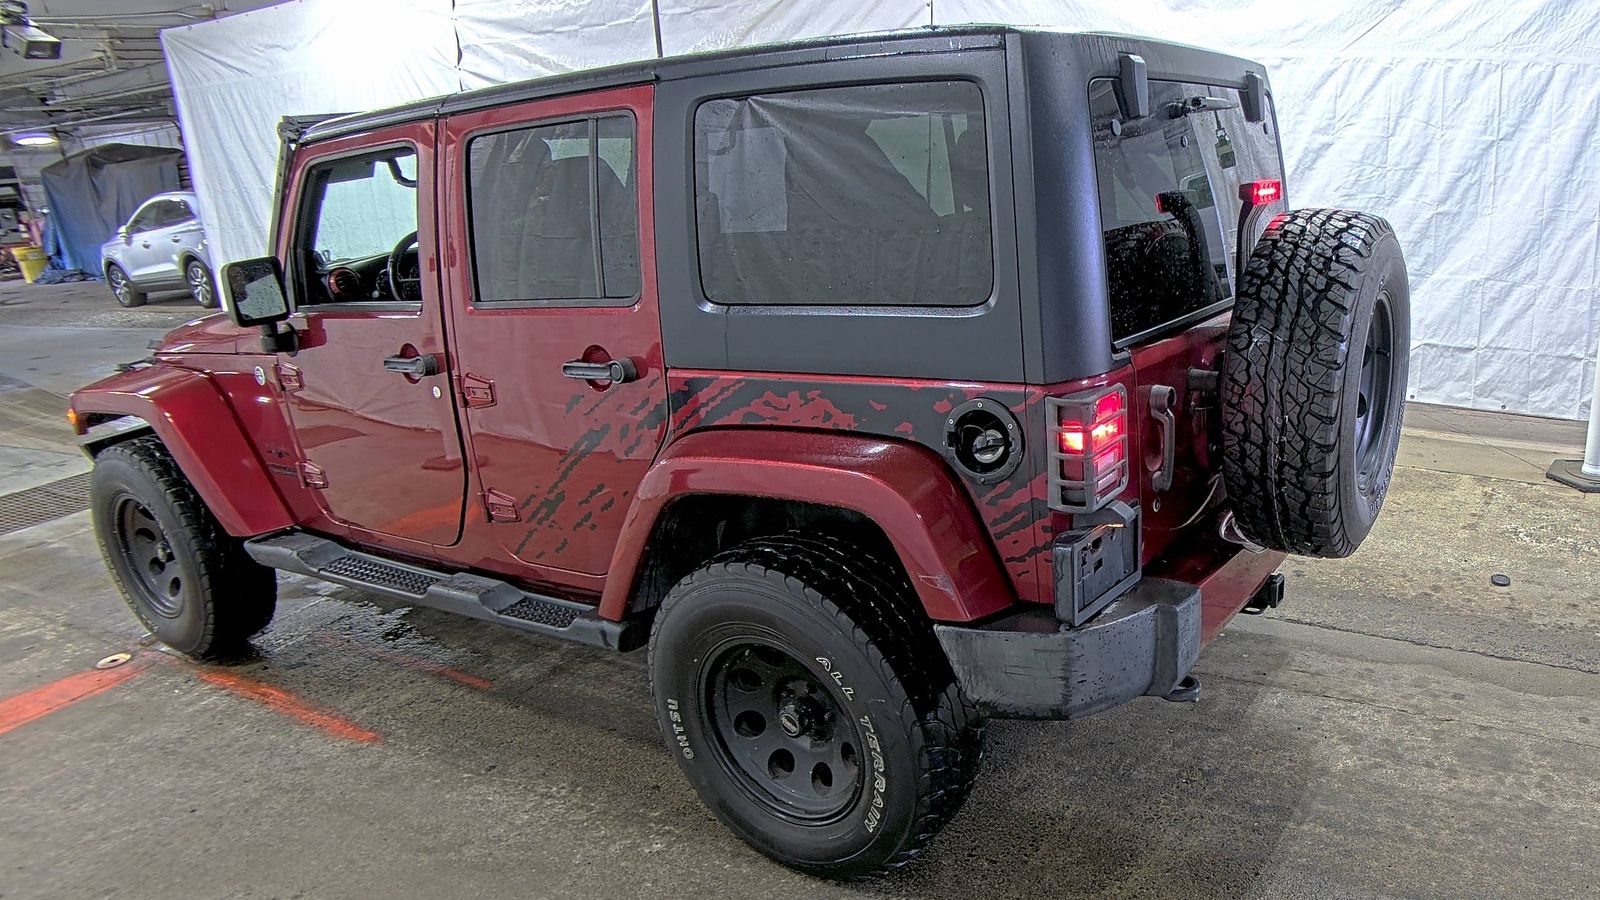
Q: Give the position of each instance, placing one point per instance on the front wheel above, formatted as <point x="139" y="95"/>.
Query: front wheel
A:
<point x="811" y="706"/>
<point x="188" y="582"/>
<point x="123" y="288"/>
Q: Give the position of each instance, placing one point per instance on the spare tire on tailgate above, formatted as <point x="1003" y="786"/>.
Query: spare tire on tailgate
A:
<point x="1314" y="380"/>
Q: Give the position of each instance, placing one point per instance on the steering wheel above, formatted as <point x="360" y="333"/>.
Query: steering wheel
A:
<point x="404" y="288"/>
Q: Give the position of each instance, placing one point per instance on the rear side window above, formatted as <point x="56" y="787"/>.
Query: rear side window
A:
<point x="159" y="214"/>
<point x="176" y="212"/>
<point x="1169" y="198"/>
<point x="554" y="213"/>
<point x="864" y="195"/>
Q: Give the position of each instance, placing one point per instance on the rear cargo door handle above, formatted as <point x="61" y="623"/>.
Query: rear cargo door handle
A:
<point x="1161" y="400"/>
<point x="414" y="366"/>
<point x="613" y="371"/>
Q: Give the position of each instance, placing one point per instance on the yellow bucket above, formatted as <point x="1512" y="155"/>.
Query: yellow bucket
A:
<point x="32" y="260"/>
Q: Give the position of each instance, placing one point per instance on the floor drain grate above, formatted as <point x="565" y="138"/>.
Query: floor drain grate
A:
<point x="37" y="505"/>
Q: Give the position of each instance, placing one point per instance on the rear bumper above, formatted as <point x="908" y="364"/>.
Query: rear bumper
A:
<point x="1030" y="665"/>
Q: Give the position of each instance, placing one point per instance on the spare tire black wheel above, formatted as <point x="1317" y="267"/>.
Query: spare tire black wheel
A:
<point x="1314" y="381"/>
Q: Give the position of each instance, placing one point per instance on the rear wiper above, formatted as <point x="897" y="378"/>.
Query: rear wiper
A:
<point x="1177" y="109"/>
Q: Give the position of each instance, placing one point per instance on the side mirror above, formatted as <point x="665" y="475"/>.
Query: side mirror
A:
<point x="254" y="291"/>
<point x="123" y="235"/>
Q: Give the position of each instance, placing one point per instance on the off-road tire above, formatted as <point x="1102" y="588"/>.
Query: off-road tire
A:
<point x="835" y="602"/>
<point x="226" y="596"/>
<point x="1298" y="478"/>
<point x="130" y="296"/>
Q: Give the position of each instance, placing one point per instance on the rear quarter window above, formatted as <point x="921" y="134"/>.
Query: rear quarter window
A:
<point x="866" y="195"/>
<point x="1169" y="199"/>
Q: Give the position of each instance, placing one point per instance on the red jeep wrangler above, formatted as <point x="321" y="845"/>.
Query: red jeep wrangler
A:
<point x="877" y="384"/>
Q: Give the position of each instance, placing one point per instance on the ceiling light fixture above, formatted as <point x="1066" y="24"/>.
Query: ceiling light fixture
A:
<point x="34" y="139"/>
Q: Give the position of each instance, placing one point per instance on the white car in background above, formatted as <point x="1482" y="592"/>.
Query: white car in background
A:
<point x="161" y="248"/>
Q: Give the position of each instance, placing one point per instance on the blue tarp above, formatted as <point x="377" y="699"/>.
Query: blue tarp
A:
<point x="93" y="192"/>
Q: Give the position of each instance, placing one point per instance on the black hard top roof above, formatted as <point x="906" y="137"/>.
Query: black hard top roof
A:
<point x="921" y="40"/>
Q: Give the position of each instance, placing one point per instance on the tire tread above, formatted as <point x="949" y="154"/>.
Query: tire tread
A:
<point x="1286" y="359"/>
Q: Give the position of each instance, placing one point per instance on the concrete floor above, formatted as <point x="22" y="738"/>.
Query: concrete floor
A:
<point x="1399" y="728"/>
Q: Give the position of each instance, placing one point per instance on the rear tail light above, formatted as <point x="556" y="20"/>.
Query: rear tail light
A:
<point x="1260" y="193"/>
<point x="1088" y="448"/>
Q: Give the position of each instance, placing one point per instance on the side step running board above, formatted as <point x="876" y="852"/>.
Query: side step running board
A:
<point x="466" y="594"/>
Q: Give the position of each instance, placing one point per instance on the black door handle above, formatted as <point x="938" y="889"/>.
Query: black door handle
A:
<point x="614" y="371"/>
<point x="415" y="366"/>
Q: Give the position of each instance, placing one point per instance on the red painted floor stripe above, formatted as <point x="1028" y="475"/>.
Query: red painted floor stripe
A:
<point x="411" y="662"/>
<point x="432" y="668"/>
<point x="282" y="701"/>
<point x="29" y="706"/>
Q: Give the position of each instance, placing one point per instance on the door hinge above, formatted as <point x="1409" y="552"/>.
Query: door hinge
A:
<point x="289" y="377"/>
<point x="501" y="507"/>
<point x="313" y="475"/>
<point x="477" y="391"/>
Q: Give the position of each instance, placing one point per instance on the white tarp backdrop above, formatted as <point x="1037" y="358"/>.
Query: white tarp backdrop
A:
<point x="1469" y="124"/>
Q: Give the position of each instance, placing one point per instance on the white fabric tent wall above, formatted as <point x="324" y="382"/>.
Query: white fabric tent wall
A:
<point x="235" y="77"/>
<point x="508" y="40"/>
<point x="1468" y="124"/>
<point x="688" y="27"/>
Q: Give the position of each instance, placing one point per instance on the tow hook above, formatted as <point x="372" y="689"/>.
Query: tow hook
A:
<point x="1270" y="596"/>
<point x="1187" y="691"/>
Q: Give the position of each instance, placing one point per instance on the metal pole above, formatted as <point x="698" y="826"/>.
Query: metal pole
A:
<point x="1584" y="474"/>
<point x="1591" y="446"/>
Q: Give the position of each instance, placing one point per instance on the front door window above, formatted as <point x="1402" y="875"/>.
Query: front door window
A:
<point x="362" y="229"/>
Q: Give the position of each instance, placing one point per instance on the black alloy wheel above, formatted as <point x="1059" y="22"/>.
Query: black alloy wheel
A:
<point x="780" y="733"/>
<point x="157" y="578"/>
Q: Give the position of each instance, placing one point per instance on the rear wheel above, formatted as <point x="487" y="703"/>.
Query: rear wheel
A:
<point x="811" y="706"/>
<point x="125" y="292"/>
<point x="188" y="582"/>
<point x="201" y="287"/>
<point x="1315" y="381"/>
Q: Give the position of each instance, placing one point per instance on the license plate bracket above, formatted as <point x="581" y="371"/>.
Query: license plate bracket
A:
<point x="1096" y="565"/>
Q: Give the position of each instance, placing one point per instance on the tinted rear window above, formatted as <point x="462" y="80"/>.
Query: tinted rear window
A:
<point x="1162" y="266"/>
<point x="863" y="195"/>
